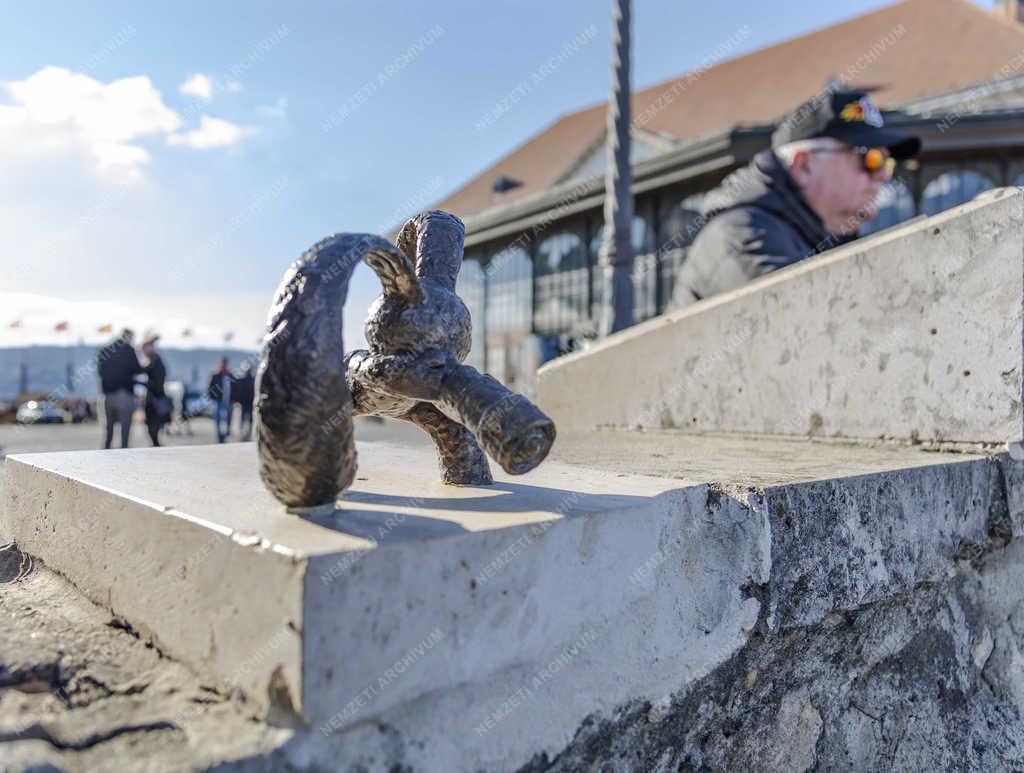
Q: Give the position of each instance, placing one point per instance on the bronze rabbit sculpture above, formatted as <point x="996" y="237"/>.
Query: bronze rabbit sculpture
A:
<point x="418" y="332"/>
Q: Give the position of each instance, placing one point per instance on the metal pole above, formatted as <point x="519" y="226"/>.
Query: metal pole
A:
<point x="616" y="252"/>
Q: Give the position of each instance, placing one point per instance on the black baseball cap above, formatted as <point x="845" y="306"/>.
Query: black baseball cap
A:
<point x="848" y="116"/>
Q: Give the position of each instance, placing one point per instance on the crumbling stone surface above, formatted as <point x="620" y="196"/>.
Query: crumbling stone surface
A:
<point x="80" y="691"/>
<point x="930" y="679"/>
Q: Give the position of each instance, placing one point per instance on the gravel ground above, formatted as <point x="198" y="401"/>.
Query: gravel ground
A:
<point x="79" y="691"/>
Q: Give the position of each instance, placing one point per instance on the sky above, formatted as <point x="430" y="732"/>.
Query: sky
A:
<point x="161" y="164"/>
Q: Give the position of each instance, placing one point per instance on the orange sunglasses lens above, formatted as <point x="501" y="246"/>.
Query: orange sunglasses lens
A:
<point x="876" y="158"/>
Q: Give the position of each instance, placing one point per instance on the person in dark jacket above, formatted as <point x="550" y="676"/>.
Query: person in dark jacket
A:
<point x="809" y="193"/>
<point x="158" y="404"/>
<point x="243" y="392"/>
<point x="219" y="392"/>
<point x="117" y="365"/>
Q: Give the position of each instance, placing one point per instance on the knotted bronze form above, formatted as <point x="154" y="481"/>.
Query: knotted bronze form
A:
<point x="418" y="332"/>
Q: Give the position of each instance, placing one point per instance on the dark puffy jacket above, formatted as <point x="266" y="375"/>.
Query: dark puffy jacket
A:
<point x="156" y="378"/>
<point x="118" y="365"/>
<point x="243" y="390"/>
<point x="757" y="221"/>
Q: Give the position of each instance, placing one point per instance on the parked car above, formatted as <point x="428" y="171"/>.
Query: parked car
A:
<point x="41" y="412"/>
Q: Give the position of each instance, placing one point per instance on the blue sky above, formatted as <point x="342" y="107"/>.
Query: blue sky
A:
<point x="164" y="162"/>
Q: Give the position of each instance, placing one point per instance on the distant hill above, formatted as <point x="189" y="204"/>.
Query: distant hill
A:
<point x="48" y="366"/>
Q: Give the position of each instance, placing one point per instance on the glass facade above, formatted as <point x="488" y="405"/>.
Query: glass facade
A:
<point x="471" y="288"/>
<point x="952" y="188"/>
<point x="895" y="204"/>
<point x="562" y="300"/>
<point x="508" y="292"/>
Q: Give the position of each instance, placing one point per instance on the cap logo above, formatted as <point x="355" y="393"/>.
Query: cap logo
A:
<point x="863" y="110"/>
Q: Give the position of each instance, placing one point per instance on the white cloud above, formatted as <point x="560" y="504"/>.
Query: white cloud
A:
<point x="278" y="110"/>
<point x="57" y="110"/>
<point x="198" y="85"/>
<point x="207" y="316"/>
<point x="212" y="133"/>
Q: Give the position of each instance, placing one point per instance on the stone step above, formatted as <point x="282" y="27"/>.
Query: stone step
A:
<point x="439" y="611"/>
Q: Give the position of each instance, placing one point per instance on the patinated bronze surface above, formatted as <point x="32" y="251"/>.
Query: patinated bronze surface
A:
<point x="418" y="332"/>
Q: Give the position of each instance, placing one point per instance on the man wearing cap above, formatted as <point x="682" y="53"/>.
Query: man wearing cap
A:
<point x="809" y="193"/>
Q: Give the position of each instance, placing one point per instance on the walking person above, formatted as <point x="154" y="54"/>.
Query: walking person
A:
<point x="219" y="392"/>
<point x="158" y="404"/>
<point x="117" y="365"/>
<point x="244" y="393"/>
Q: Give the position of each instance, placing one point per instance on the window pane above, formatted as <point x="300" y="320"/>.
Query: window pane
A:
<point x="561" y="303"/>
<point x="509" y="300"/>
<point x="680" y="223"/>
<point x="470" y="287"/>
<point x="895" y="204"/>
<point x="952" y="188"/>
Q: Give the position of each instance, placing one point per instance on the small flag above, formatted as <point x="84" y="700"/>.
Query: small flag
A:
<point x="61" y="326"/>
<point x="107" y="328"/>
<point x="16" y="323"/>
<point x="186" y="333"/>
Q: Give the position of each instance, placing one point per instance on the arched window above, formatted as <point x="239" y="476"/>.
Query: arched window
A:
<point x="509" y="275"/>
<point x="470" y="287"/>
<point x="681" y="221"/>
<point x="509" y="293"/>
<point x="639" y="237"/>
<point x="895" y="204"/>
<point x="561" y="286"/>
<point x="952" y="188"/>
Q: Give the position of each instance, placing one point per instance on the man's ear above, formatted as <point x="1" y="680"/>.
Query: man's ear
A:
<point x="800" y="167"/>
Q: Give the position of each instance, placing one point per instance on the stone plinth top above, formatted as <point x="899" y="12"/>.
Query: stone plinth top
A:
<point x="218" y="487"/>
<point x="740" y="460"/>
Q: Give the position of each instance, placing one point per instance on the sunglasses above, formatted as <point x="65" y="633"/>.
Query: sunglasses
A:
<point x="871" y="159"/>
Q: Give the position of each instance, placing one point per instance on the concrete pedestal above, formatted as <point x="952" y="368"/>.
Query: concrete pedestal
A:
<point x="481" y="626"/>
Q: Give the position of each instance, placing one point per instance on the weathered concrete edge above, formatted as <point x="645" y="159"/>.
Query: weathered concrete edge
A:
<point x="108" y="553"/>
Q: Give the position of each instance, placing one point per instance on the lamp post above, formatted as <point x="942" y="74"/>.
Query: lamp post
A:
<point x="616" y="253"/>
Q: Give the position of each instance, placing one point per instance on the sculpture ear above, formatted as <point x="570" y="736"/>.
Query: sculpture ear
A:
<point x="396" y="273"/>
<point x="435" y="239"/>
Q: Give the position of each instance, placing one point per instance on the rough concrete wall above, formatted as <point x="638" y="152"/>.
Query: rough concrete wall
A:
<point x="915" y="333"/>
<point x="925" y="674"/>
<point x="927" y="680"/>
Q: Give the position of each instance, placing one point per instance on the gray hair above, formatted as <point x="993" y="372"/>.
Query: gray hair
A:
<point x="786" y="153"/>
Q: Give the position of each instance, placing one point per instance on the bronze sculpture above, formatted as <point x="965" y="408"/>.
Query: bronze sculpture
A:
<point x="418" y="333"/>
